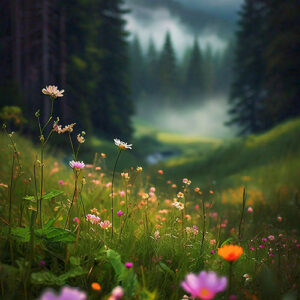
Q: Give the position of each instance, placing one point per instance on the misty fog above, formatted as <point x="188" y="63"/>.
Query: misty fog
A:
<point x="207" y="119"/>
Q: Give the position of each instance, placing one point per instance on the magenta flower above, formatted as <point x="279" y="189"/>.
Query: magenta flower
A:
<point x="205" y="285"/>
<point x="120" y="213"/>
<point x="129" y="265"/>
<point x="66" y="293"/>
<point x="60" y="182"/>
<point x="77" y="165"/>
<point x="261" y="246"/>
<point x="42" y="263"/>
<point x="264" y="239"/>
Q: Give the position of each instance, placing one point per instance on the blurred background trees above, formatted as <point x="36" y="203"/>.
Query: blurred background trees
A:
<point x="80" y="46"/>
<point x="83" y="47"/>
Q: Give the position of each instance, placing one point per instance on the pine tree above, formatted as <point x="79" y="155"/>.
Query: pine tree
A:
<point x="112" y="106"/>
<point x="137" y="70"/>
<point x="168" y="78"/>
<point x="151" y="69"/>
<point x="194" y="78"/>
<point x="282" y="80"/>
<point x="209" y="67"/>
<point x="247" y="92"/>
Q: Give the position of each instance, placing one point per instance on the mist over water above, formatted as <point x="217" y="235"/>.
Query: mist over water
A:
<point x="206" y="120"/>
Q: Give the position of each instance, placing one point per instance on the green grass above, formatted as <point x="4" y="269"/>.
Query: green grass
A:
<point x="267" y="164"/>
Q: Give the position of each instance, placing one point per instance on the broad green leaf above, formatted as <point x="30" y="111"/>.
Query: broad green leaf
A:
<point x="46" y="278"/>
<point x="21" y="234"/>
<point x="115" y="260"/>
<point x="129" y="282"/>
<point x="49" y="195"/>
<point x="30" y="198"/>
<point x="75" y="261"/>
<point x="55" y="234"/>
<point x="77" y="271"/>
<point x="127" y="277"/>
<point x="165" y="268"/>
<point x="52" y="194"/>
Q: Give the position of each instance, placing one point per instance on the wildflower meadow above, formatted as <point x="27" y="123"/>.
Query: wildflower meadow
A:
<point x="94" y="229"/>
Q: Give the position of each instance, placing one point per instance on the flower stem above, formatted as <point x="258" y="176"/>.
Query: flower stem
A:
<point x="204" y="224"/>
<point x="230" y="279"/>
<point x="73" y="200"/>
<point x="71" y="142"/>
<point x="10" y="205"/>
<point x="242" y="215"/>
<point x="42" y="183"/>
<point x="112" y="196"/>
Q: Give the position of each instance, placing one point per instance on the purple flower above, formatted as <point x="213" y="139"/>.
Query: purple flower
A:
<point x="204" y="285"/>
<point x="120" y="213"/>
<point x="60" y="182"/>
<point x="129" y="265"/>
<point x="212" y="251"/>
<point x="42" y="263"/>
<point x="66" y="293"/>
<point x="271" y="254"/>
<point x="264" y="239"/>
<point x="261" y="246"/>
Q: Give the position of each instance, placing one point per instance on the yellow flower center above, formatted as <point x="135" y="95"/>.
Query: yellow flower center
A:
<point x="204" y="293"/>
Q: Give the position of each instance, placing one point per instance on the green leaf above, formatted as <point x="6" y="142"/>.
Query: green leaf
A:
<point x="52" y="194"/>
<point x="21" y="234"/>
<point x="129" y="282"/>
<point x="127" y="277"/>
<point x="49" y="195"/>
<point x="75" y="261"/>
<point x="165" y="268"/>
<point x="46" y="278"/>
<point x="30" y="198"/>
<point x="115" y="260"/>
<point x="78" y="271"/>
<point x="55" y="234"/>
<point x="226" y="241"/>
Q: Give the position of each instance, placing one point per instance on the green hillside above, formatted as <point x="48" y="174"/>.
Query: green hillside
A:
<point x="268" y="163"/>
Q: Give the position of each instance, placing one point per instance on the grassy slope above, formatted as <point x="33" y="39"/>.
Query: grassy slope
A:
<point x="268" y="162"/>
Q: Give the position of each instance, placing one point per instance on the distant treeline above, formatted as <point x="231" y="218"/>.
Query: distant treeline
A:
<point x="266" y="85"/>
<point x="80" y="46"/>
<point x="161" y="77"/>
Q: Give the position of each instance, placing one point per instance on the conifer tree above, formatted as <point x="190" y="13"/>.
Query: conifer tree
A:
<point x="168" y="77"/>
<point x="247" y="92"/>
<point x="194" y="78"/>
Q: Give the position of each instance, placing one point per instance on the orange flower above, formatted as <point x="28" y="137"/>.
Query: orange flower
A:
<point x="96" y="286"/>
<point x="230" y="252"/>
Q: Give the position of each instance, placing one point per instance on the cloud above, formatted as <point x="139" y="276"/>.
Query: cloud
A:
<point x="147" y="23"/>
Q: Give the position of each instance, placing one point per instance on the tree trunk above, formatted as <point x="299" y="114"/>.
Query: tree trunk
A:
<point x="45" y="55"/>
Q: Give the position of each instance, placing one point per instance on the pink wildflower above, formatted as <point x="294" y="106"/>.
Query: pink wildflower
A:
<point x="77" y="165"/>
<point x="205" y="285"/>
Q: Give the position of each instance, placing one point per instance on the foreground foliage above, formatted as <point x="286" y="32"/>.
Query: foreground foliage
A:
<point x="84" y="226"/>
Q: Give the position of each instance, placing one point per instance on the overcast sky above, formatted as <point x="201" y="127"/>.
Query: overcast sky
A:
<point x="153" y="22"/>
<point x="224" y="8"/>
